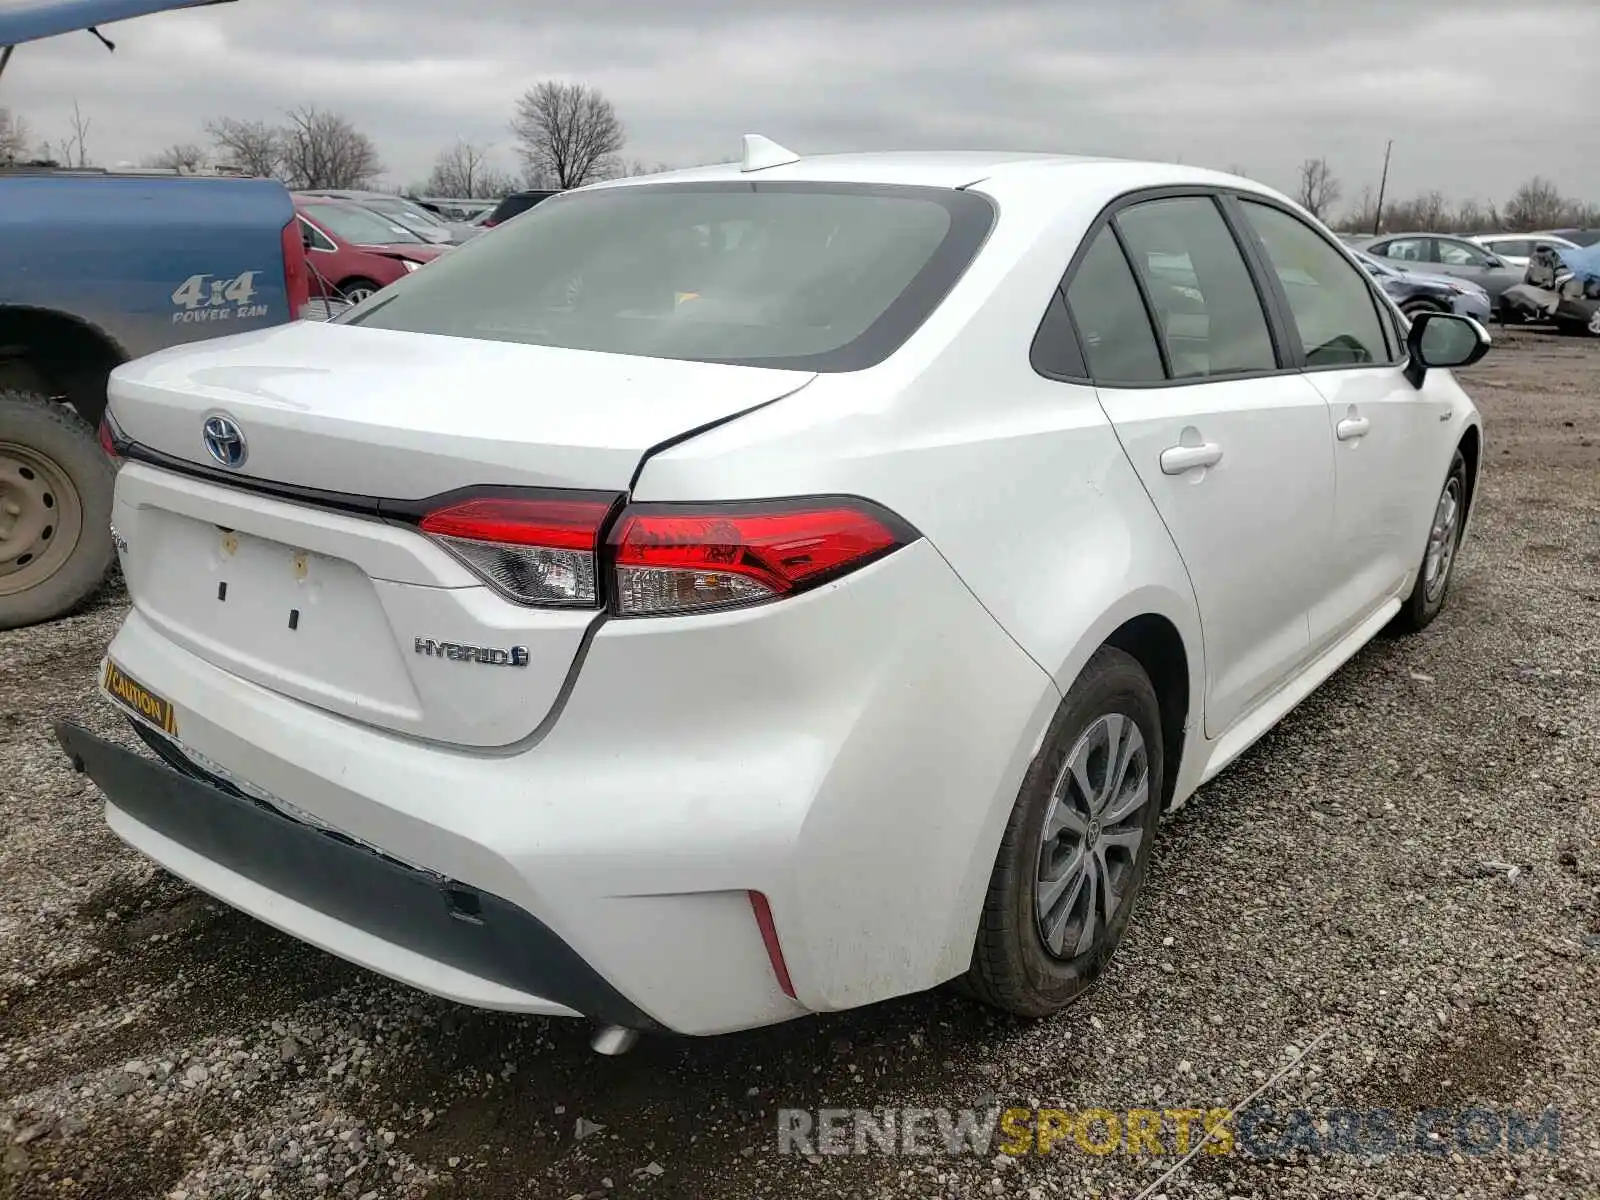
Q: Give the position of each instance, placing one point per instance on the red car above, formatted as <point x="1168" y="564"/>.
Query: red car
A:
<point x="352" y="251"/>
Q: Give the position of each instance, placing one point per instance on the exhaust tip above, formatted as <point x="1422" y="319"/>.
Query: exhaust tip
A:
<point x="612" y="1040"/>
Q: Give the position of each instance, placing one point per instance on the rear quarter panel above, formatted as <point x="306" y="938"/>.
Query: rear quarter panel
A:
<point x="148" y="261"/>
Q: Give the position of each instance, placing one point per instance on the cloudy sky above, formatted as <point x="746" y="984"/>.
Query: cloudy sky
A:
<point x="1477" y="96"/>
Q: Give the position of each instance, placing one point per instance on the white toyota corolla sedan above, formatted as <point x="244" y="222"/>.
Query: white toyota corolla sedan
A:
<point x="769" y="588"/>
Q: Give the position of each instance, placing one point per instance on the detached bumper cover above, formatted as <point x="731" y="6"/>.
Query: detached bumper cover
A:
<point x="460" y="926"/>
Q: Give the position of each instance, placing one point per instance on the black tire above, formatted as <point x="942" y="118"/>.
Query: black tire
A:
<point x="1425" y="601"/>
<point x="32" y="425"/>
<point x="1013" y="967"/>
<point x="357" y="284"/>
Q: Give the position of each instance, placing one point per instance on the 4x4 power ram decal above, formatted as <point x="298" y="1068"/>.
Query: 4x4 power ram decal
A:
<point x="215" y="298"/>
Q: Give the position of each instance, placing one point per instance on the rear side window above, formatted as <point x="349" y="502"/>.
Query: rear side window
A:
<point x="1205" y="302"/>
<point x="1117" y="339"/>
<point x="821" y="277"/>
<point x="1334" y="309"/>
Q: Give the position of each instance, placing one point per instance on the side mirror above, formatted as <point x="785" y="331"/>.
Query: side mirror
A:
<point x="1443" y="340"/>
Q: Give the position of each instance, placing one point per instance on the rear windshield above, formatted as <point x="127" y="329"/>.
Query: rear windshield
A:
<point x="822" y="277"/>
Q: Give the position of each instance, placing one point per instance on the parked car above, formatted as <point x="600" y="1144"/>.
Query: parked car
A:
<point x="1517" y="248"/>
<point x="700" y="604"/>
<point x="352" y="251"/>
<point x="455" y="210"/>
<point x="1442" y="254"/>
<point x="1415" y="292"/>
<point x="1562" y="286"/>
<point x="1580" y="237"/>
<point x="510" y="206"/>
<point x="428" y="227"/>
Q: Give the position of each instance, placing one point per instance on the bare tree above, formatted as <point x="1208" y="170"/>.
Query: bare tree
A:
<point x="567" y="132"/>
<point x="464" y="172"/>
<point x="1319" y="189"/>
<point x="73" y="150"/>
<point x="1430" y="210"/>
<point x="181" y="156"/>
<point x="13" y="136"/>
<point x="255" y="147"/>
<point x="1360" y="218"/>
<point x="1537" y="204"/>
<point x="637" y="166"/>
<point x="322" y="149"/>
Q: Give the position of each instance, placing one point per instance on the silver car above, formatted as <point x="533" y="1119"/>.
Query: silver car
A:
<point x="1446" y="254"/>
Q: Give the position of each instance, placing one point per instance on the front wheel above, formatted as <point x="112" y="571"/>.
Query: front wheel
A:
<point x="1439" y="558"/>
<point x="1077" y="845"/>
<point x="55" y="510"/>
<point x="1415" y="307"/>
<point x="354" y="291"/>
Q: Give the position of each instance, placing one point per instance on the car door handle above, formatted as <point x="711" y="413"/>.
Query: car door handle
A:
<point x="1353" y="427"/>
<point x="1175" y="460"/>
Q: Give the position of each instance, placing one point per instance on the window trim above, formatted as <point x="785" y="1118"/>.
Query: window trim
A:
<point x="1375" y="294"/>
<point x="1276" y="330"/>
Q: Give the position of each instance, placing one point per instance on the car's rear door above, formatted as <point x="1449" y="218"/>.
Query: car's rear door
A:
<point x="1232" y="445"/>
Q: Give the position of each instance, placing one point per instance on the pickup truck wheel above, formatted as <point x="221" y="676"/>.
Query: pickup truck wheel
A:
<point x="356" y="290"/>
<point x="55" y="509"/>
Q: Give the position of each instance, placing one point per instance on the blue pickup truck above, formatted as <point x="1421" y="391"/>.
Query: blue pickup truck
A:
<point x="95" y="269"/>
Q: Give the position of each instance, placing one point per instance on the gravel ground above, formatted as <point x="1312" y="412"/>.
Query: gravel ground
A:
<point x="1339" y="882"/>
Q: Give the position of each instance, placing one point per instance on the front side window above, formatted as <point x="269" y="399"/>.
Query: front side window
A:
<point x="1206" y="305"/>
<point x="823" y="277"/>
<point x="1118" y="343"/>
<point x="1334" y="310"/>
<point x="1460" y="254"/>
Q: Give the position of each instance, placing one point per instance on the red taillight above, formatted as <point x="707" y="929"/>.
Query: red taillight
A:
<point x="769" y="939"/>
<point x="679" y="558"/>
<point x="543" y="549"/>
<point x="296" y="275"/>
<point x="535" y="550"/>
<point x="108" y="436"/>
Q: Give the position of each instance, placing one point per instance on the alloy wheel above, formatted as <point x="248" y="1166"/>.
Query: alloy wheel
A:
<point x="1092" y="831"/>
<point x="1442" y="540"/>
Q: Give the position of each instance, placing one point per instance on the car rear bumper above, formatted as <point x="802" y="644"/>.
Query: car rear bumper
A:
<point x="393" y="918"/>
<point x="851" y="754"/>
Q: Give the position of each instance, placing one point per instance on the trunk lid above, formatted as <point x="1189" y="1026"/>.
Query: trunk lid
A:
<point x="333" y="606"/>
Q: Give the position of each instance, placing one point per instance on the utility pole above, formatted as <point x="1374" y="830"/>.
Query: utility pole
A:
<point x="1383" y="184"/>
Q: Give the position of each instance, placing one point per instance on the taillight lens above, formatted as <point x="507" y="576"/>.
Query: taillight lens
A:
<point x="672" y="558"/>
<point x="296" y="274"/>
<point x="535" y="551"/>
<point x="109" y="435"/>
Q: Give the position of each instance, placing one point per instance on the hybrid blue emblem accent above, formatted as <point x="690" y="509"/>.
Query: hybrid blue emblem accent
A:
<point x="225" y="441"/>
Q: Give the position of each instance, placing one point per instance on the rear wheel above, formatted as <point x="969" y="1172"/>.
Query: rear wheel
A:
<point x="355" y="291"/>
<point x="1077" y="845"/>
<point x="1439" y="558"/>
<point x="55" y="510"/>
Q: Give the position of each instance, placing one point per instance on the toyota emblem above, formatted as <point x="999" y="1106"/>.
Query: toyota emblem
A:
<point x="224" y="441"/>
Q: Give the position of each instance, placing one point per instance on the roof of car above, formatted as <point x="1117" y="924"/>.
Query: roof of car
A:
<point x="952" y="169"/>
